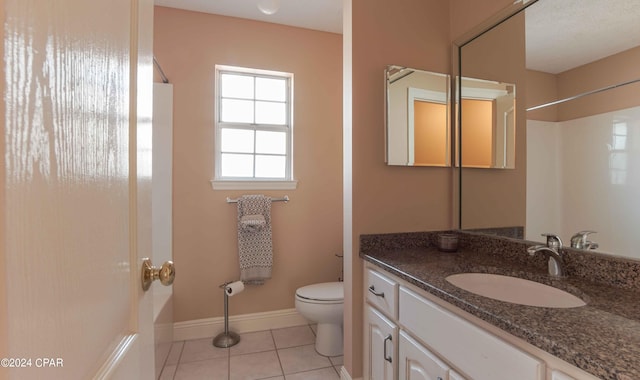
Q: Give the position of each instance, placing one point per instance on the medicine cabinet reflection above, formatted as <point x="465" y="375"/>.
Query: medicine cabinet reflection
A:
<point x="487" y="119"/>
<point x="417" y="117"/>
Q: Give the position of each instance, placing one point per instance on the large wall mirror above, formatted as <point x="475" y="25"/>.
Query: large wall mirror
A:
<point x="417" y="117"/>
<point x="577" y="134"/>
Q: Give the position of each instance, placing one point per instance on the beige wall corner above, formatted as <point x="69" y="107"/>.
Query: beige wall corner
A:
<point x="385" y="198"/>
<point x="494" y="197"/>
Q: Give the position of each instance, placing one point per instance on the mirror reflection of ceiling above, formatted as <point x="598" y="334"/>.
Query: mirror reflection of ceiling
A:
<point x="563" y="34"/>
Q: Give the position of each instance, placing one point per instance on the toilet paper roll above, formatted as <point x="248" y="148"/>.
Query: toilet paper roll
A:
<point x="234" y="288"/>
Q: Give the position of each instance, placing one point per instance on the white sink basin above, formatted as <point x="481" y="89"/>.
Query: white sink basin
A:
<point x="514" y="290"/>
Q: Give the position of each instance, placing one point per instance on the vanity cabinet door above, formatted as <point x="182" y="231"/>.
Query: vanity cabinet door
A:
<point x="381" y="337"/>
<point x="415" y="362"/>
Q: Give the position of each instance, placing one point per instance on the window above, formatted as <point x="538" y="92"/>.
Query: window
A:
<point x="253" y="129"/>
<point x="618" y="155"/>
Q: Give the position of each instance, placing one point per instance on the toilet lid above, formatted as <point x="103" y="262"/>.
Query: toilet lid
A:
<point x="326" y="291"/>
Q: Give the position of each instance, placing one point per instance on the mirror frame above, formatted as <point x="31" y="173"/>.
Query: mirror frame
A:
<point x="458" y="44"/>
<point x="474" y="33"/>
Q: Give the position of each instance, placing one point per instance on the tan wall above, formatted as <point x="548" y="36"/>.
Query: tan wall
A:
<point x="307" y="232"/>
<point x="413" y="34"/>
<point x="608" y="71"/>
<point x="391" y="199"/>
<point x="499" y="56"/>
<point x="468" y="14"/>
<point x="615" y="69"/>
<point x="541" y="88"/>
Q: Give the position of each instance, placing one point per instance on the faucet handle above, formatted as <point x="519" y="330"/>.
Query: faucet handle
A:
<point x="579" y="240"/>
<point x="553" y="240"/>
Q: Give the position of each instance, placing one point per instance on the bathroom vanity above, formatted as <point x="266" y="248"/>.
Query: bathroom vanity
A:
<point x="420" y="326"/>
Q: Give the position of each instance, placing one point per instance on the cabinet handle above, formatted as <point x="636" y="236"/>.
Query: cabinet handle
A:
<point x="386" y="357"/>
<point x="372" y="289"/>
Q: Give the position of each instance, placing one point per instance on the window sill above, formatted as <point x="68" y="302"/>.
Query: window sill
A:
<point x="253" y="185"/>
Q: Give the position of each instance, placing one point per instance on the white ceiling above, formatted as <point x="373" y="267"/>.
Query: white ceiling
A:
<point x="563" y="34"/>
<point x="324" y="15"/>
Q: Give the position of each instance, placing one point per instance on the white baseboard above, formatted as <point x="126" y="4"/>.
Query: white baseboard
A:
<point x="344" y="375"/>
<point x="210" y="327"/>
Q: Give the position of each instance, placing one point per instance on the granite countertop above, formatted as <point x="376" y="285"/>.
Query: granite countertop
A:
<point x="602" y="338"/>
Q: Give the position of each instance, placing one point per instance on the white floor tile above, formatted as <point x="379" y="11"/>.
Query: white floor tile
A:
<point x="168" y="372"/>
<point x="260" y="365"/>
<point x="299" y="359"/>
<point x="203" y="369"/>
<point x="293" y="336"/>
<point x="254" y="342"/>
<point x="254" y="358"/>
<point x="174" y="353"/>
<point x="337" y="360"/>
<point x="202" y="349"/>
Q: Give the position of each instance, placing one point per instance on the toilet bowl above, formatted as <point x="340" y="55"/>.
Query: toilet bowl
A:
<point x="323" y="303"/>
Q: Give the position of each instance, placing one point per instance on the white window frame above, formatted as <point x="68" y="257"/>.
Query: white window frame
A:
<point x="252" y="183"/>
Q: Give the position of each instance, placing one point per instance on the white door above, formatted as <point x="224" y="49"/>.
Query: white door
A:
<point x="75" y="189"/>
<point x="417" y="363"/>
<point x="380" y="337"/>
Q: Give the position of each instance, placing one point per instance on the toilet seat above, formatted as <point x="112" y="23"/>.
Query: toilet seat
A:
<point x="326" y="292"/>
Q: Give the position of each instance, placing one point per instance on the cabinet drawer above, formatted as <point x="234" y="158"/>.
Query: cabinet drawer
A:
<point x="382" y="292"/>
<point x="474" y="351"/>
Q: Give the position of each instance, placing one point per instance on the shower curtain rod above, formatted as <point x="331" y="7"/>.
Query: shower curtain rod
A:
<point x="584" y="94"/>
<point x="157" y="65"/>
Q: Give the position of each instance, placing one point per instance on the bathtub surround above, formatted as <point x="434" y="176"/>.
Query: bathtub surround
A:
<point x="602" y="338"/>
<point x="593" y="153"/>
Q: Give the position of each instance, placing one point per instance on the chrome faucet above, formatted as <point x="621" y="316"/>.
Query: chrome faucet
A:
<point x="553" y="249"/>
<point x="556" y="262"/>
<point x="553" y="240"/>
<point x="579" y="241"/>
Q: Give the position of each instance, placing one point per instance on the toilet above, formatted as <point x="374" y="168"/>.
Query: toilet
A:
<point x="323" y="303"/>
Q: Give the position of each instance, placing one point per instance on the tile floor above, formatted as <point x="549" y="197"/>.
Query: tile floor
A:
<point x="282" y="354"/>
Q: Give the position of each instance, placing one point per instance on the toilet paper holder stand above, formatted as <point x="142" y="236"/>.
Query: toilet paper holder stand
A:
<point x="226" y="338"/>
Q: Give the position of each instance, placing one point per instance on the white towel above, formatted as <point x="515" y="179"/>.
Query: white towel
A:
<point x="255" y="249"/>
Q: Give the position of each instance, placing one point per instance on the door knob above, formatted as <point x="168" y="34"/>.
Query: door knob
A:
<point x="166" y="273"/>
